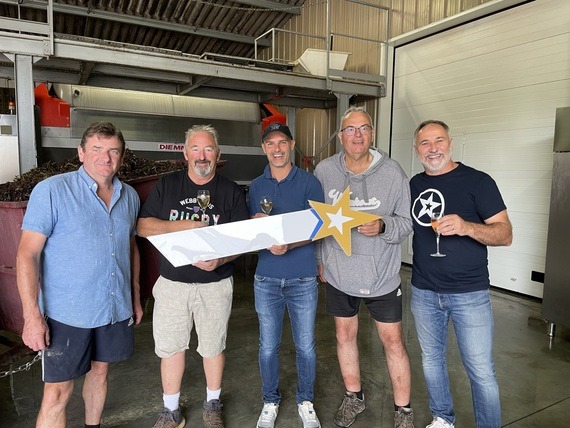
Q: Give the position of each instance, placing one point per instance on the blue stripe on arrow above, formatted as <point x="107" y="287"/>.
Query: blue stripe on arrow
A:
<point x="319" y="223"/>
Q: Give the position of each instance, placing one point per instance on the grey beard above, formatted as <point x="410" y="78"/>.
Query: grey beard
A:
<point x="203" y="172"/>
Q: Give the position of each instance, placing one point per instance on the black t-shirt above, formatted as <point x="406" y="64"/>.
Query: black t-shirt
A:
<point x="474" y="196"/>
<point x="174" y="198"/>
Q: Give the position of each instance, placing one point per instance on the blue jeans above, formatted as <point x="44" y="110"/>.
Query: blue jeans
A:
<point x="299" y="296"/>
<point x="472" y="319"/>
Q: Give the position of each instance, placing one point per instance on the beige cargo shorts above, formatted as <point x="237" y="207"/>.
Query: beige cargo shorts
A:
<point x="179" y="306"/>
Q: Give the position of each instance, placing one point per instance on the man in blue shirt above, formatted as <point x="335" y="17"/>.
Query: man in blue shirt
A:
<point x="74" y="275"/>
<point x="285" y="278"/>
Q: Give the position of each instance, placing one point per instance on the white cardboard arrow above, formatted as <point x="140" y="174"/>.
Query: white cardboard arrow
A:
<point x="213" y="242"/>
<point x="228" y="239"/>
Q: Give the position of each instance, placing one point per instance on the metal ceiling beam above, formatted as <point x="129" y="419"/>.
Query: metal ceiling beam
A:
<point x="225" y="94"/>
<point x="272" y="5"/>
<point x="24" y="44"/>
<point x="122" y="66"/>
<point x="86" y="69"/>
<point x="217" y="88"/>
<point x="54" y="69"/>
<point x="136" y="20"/>
<point x="196" y="83"/>
<point x="303" y="103"/>
<point x="244" y="86"/>
<point x="40" y="75"/>
<point x="58" y="64"/>
<point x="141" y="73"/>
<point x="114" y="82"/>
<point x="83" y="51"/>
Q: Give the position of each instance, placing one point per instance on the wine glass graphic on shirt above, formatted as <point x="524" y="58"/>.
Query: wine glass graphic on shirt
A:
<point x="203" y="199"/>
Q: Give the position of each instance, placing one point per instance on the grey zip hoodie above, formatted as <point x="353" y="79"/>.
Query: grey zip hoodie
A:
<point x="383" y="189"/>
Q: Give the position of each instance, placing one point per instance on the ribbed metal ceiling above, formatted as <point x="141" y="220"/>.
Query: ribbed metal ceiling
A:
<point x="198" y="48"/>
<point x="191" y="27"/>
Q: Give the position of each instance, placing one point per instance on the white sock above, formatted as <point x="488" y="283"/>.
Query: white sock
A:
<point x="213" y="395"/>
<point x="171" y="401"/>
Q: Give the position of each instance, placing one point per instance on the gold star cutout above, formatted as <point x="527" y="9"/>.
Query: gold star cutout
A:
<point x="339" y="219"/>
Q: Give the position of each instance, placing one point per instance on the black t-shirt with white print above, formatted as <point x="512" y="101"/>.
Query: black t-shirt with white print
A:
<point x="174" y="198"/>
<point x="475" y="197"/>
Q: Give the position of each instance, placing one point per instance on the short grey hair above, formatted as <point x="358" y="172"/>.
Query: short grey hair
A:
<point x="351" y="110"/>
<point x="431" y="122"/>
<point x="208" y="129"/>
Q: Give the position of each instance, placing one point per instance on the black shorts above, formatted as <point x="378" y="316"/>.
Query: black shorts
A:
<point x="386" y="308"/>
<point x="72" y="349"/>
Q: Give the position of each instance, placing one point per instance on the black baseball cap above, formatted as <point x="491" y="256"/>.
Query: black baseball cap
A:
<point x="276" y="127"/>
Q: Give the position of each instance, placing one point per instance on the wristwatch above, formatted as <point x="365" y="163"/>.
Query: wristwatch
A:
<point x="383" y="228"/>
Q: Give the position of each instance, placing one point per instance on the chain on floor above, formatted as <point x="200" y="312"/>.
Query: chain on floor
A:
<point x="23" y="367"/>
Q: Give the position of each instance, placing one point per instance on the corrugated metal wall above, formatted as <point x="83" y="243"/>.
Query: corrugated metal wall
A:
<point x="411" y="14"/>
<point x="347" y="17"/>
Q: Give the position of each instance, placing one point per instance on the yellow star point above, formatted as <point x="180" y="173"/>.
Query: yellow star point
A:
<point x="339" y="219"/>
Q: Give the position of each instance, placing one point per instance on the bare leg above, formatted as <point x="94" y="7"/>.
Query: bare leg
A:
<point x="171" y="372"/>
<point x="55" y="399"/>
<point x="214" y="370"/>
<point x="347" y="351"/>
<point x="95" y="392"/>
<point x="397" y="360"/>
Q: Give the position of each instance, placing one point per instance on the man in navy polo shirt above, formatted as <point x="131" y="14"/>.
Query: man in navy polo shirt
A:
<point x="285" y="278"/>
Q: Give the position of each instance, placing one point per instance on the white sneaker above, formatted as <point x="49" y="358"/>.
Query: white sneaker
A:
<point x="308" y="415"/>
<point x="268" y="415"/>
<point x="440" y="423"/>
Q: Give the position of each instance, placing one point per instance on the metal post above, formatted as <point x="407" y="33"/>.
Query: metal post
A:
<point x="50" y="24"/>
<point x="25" y="112"/>
<point x="291" y="113"/>
<point x="551" y="329"/>
<point x="272" y="44"/>
<point x="328" y="45"/>
<point x="341" y="106"/>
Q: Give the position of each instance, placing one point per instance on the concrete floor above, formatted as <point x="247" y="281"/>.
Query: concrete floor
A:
<point x="533" y="373"/>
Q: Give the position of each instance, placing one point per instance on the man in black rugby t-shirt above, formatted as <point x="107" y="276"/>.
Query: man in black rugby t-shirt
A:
<point x="199" y="294"/>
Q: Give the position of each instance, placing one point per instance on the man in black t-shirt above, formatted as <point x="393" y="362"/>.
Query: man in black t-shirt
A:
<point x="199" y="294"/>
<point x="450" y="278"/>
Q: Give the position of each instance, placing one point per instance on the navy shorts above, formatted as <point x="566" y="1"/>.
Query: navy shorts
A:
<point x="72" y="349"/>
<point x="386" y="308"/>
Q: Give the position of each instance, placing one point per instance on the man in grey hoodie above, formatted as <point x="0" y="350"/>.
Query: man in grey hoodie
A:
<point x="378" y="185"/>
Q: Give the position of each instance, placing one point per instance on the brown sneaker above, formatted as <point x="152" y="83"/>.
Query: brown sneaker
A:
<point x="350" y="408"/>
<point x="404" y="418"/>
<point x="212" y="414"/>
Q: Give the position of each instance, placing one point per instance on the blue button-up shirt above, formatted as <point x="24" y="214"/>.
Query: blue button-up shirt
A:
<point x="85" y="266"/>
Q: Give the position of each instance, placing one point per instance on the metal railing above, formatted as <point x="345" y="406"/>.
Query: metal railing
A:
<point x="274" y="32"/>
<point x="376" y="76"/>
<point x="31" y="31"/>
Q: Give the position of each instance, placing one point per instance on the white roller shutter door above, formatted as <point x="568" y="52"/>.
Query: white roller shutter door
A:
<point x="496" y="82"/>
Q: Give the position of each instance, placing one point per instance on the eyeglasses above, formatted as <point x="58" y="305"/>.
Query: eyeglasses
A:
<point x="364" y="129"/>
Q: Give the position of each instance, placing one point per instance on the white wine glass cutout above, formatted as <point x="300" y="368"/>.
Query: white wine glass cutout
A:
<point x="266" y="204"/>
<point x="435" y="216"/>
<point x="203" y="200"/>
